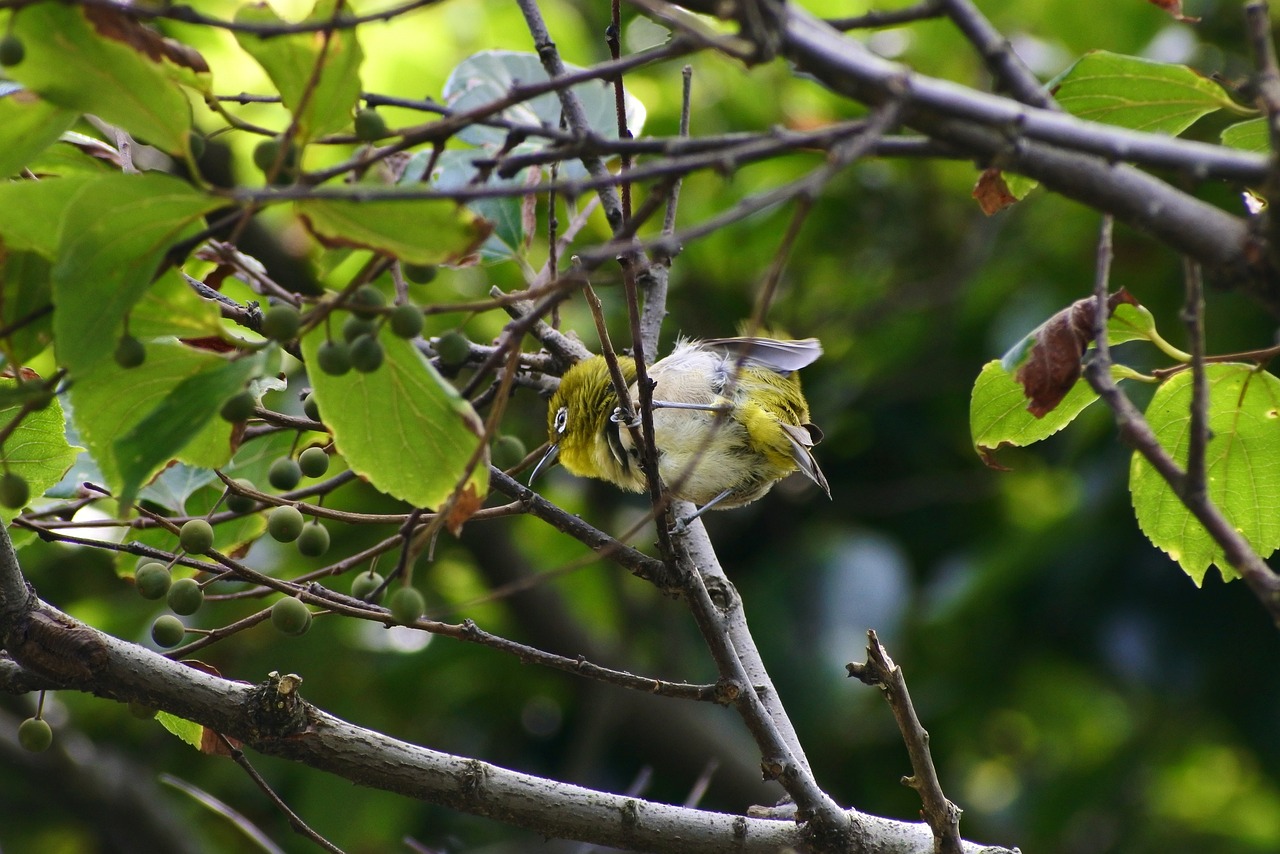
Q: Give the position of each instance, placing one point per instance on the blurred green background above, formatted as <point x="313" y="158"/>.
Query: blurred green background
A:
<point x="1082" y="695"/>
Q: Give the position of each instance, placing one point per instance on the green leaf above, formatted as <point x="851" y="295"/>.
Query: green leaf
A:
<point x="1251" y="135"/>
<point x="998" y="412"/>
<point x="24" y="294"/>
<point x="109" y="402"/>
<point x="95" y="60"/>
<point x="37" y="449"/>
<point x="31" y="210"/>
<point x="490" y="75"/>
<point x="454" y="170"/>
<point x="290" y="61"/>
<point x="189" y="731"/>
<point x="416" y="232"/>
<point x="1242" y="466"/>
<point x="1135" y="93"/>
<point x="114" y="235"/>
<point x="28" y="125"/>
<point x="168" y="428"/>
<point x="403" y="427"/>
<point x="170" y="307"/>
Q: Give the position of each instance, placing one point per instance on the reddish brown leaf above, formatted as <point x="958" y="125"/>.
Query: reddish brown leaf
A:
<point x="465" y="503"/>
<point x="1174" y="8"/>
<point x="1053" y="364"/>
<point x="992" y="193"/>
<point x="119" y="27"/>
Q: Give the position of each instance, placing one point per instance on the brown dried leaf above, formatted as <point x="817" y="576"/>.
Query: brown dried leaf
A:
<point x="119" y="27"/>
<point x="1053" y="364"/>
<point x="992" y="193"/>
<point x="466" y="502"/>
<point x="1174" y="8"/>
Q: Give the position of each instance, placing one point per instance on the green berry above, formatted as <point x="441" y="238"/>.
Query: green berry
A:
<point x="285" y="523"/>
<point x="14" y="491"/>
<point x="366" y="301"/>
<point x="284" y="474"/>
<point x="364" y="585"/>
<point x="267" y="151"/>
<point x="167" y="631"/>
<point x="238" y="503"/>
<point x="196" y="536"/>
<point x="311" y="406"/>
<point x="185" y="596"/>
<point x="366" y="354"/>
<point x="508" y="452"/>
<point x="353" y="327"/>
<point x="12" y="50"/>
<point x="406" y="321"/>
<point x="34" y="734"/>
<point x="281" y="323"/>
<point x="197" y="144"/>
<point x="370" y="126"/>
<point x="314" y="462"/>
<point x="238" y="407"/>
<point x="406" y="605"/>
<point x="334" y="358"/>
<point x="453" y="348"/>
<point x="314" y="540"/>
<point x="152" y="580"/>
<point x="419" y="274"/>
<point x="130" y="352"/>
<point x="290" y="616"/>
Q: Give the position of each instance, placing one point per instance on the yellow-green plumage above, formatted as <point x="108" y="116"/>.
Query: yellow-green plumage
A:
<point x="729" y="458"/>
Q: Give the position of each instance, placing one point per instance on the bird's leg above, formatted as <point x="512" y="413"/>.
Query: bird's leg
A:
<point x="617" y="418"/>
<point x="682" y="525"/>
<point x="703" y="407"/>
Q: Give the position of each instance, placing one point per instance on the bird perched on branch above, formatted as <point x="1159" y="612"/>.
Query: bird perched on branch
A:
<point x="729" y="421"/>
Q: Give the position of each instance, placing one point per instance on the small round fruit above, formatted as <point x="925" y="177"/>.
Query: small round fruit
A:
<point x="238" y="503"/>
<point x="314" y="540"/>
<point x="366" y="301"/>
<point x="14" y="491"/>
<point x="353" y="327"/>
<point x="167" y="631"/>
<point x="35" y="734"/>
<point x="198" y="144"/>
<point x="12" y="50"/>
<point x="185" y="596"/>
<point x="370" y="126"/>
<point x="508" y="452"/>
<point x="406" y="321"/>
<point x="267" y="152"/>
<point x="311" y="406"/>
<point x="364" y="585"/>
<point x="196" y="536"/>
<point x="285" y="523"/>
<point x="152" y="580"/>
<point x="284" y="473"/>
<point x="453" y="348"/>
<point x="334" y="358"/>
<point x="419" y="274"/>
<point x="130" y="352"/>
<point x="406" y="605"/>
<point x="314" y="462"/>
<point x="281" y="323"/>
<point x="366" y="354"/>
<point x="291" y="616"/>
<point x="238" y="407"/>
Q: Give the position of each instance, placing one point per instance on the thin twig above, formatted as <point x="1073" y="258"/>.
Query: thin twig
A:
<point x="1005" y="65"/>
<point x="1193" y="317"/>
<point x="921" y="11"/>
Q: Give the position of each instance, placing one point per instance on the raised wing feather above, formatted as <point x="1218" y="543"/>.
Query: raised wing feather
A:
<point x="780" y="356"/>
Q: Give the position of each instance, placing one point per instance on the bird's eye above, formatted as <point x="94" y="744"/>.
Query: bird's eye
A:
<point x="562" y="419"/>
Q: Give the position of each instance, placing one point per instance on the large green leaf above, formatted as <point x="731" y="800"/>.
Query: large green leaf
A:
<point x="1242" y="462"/>
<point x="998" y="411"/>
<point x="1251" y="135"/>
<point x="30" y="212"/>
<point x="291" y="61"/>
<point x="403" y="427"/>
<point x="28" y="125"/>
<point x="37" y="449"/>
<point x="170" y="307"/>
<point x="110" y="402"/>
<point x="176" y="420"/>
<point x="417" y="232"/>
<point x="1137" y="93"/>
<point x="24" y="304"/>
<point x="95" y="60"/>
<point x="115" y="232"/>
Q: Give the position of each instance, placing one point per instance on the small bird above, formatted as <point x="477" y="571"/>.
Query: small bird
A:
<point x="729" y="421"/>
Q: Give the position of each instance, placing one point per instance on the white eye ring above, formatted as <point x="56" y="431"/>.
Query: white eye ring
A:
<point x="562" y="419"/>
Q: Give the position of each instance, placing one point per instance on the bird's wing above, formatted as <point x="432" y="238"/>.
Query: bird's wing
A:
<point x="803" y="438"/>
<point x="780" y="356"/>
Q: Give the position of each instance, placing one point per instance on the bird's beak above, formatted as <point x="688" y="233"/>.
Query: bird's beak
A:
<point x="548" y="459"/>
